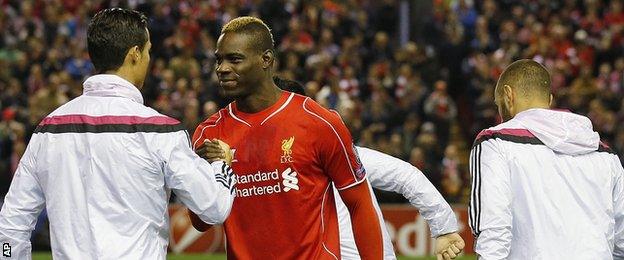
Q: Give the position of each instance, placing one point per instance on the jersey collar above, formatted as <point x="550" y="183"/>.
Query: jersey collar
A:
<point x="109" y="85"/>
<point x="259" y="118"/>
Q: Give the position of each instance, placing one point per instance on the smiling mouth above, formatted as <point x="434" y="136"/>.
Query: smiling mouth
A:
<point x="228" y="83"/>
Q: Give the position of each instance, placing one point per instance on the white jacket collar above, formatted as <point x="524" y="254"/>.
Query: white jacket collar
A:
<point x="563" y="132"/>
<point x="109" y="85"/>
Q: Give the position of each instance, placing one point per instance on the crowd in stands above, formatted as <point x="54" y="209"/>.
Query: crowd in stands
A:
<point x="423" y="101"/>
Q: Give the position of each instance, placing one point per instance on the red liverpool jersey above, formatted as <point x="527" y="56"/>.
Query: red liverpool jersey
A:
<point x="286" y="158"/>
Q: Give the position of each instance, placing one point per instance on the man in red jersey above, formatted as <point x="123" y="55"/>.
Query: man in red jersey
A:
<point x="287" y="152"/>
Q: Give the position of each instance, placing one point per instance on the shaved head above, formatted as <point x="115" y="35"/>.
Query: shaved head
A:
<point x="524" y="84"/>
<point x="528" y="78"/>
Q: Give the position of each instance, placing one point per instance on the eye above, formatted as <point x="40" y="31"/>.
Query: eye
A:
<point x="236" y="60"/>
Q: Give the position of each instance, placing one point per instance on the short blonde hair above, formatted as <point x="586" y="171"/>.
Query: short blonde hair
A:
<point x="261" y="33"/>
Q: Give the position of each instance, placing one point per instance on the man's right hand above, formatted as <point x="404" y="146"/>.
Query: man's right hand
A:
<point x="214" y="150"/>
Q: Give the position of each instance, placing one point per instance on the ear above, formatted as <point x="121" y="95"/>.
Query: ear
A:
<point x="508" y="96"/>
<point x="267" y="59"/>
<point x="134" y="54"/>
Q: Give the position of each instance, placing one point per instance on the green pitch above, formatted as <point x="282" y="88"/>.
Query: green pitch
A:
<point x="48" y="256"/>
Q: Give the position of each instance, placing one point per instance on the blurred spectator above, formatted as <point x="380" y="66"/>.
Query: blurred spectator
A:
<point x="441" y="109"/>
<point x="12" y="146"/>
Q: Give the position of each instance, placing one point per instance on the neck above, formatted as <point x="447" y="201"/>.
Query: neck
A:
<point x="124" y="73"/>
<point x="266" y="95"/>
<point x="532" y="105"/>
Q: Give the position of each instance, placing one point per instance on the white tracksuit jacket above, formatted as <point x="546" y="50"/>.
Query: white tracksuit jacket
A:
<point x="388" y="173"/>
<point x="103" y="165"/>
<point x="545" y="187"/>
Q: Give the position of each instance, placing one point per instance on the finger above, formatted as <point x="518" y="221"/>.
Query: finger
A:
<point x="202" y="154"/>
<point x="460" y="244"/>
<point x="211" y="146"/>
<point x="216" y="145"/>
<point x="455" y="249"/>
<point x="214" y="151"/>
<point x="214" y="159"/>
<point x="446" y="256"/>
<point x="451" y="253"/>
<point x="214" y="155"/>
<point x="201" y="146"/>
<point x="439" y="257"/>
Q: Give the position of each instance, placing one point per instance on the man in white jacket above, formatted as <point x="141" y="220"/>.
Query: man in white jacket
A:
<point x="543" y="185"/>
<point x="104" y="164"/>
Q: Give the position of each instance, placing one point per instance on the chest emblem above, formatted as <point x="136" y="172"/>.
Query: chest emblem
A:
<point x="287" y="149"/>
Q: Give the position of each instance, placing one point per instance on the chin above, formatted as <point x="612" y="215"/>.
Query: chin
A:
<point x="231" y="93"/>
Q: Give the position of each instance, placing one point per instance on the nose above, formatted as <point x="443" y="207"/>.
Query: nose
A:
<point x="222" y="69"/>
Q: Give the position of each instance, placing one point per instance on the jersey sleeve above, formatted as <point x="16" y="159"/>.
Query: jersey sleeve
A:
<point x="335" y="151"/>
<point x="22" y="206"/>
<point x="490" y="215"/>
<point x="388" y="173"/>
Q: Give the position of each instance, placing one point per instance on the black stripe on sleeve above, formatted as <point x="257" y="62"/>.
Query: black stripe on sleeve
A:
<point x="224" y="184"/>
<point x="474" y="214"/>
<point x="478" y="227"/>
<point x="188" y="139"/>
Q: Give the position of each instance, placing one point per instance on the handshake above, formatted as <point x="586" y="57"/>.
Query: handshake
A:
<point x="214" y="150"/>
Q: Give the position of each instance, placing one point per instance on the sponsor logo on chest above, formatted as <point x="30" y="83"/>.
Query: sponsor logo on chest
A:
<point x="267" y="183"/>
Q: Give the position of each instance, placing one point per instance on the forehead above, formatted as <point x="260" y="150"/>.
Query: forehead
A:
<point x="234" y="42"/>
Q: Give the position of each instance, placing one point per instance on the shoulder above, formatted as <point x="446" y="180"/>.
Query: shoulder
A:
<point x="323" y="117"/>
<point x="212" y="121"/>
<point x="510" y="131"/>
<point x="215" y="118"/>
<point x="133" y="113"/>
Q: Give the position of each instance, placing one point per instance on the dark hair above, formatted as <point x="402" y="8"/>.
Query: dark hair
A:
<point x="111" y="33"/>
<point x="289" y="85"/>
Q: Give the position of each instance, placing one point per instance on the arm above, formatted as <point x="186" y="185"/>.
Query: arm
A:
<point x="391" y="174"/>
<point x="207" y="189"/>
<point x="22" y="206"/>
<point x="388" y="173"/>
<point x="364" y="220"/>
<point x="336" y="155"/>
<point x="618" y="209"/>
<point x="490" y="215"/>
<point x="211" y="151"/>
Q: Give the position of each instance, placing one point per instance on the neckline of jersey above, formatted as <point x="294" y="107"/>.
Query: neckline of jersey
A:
<point x="260" y="116"/>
